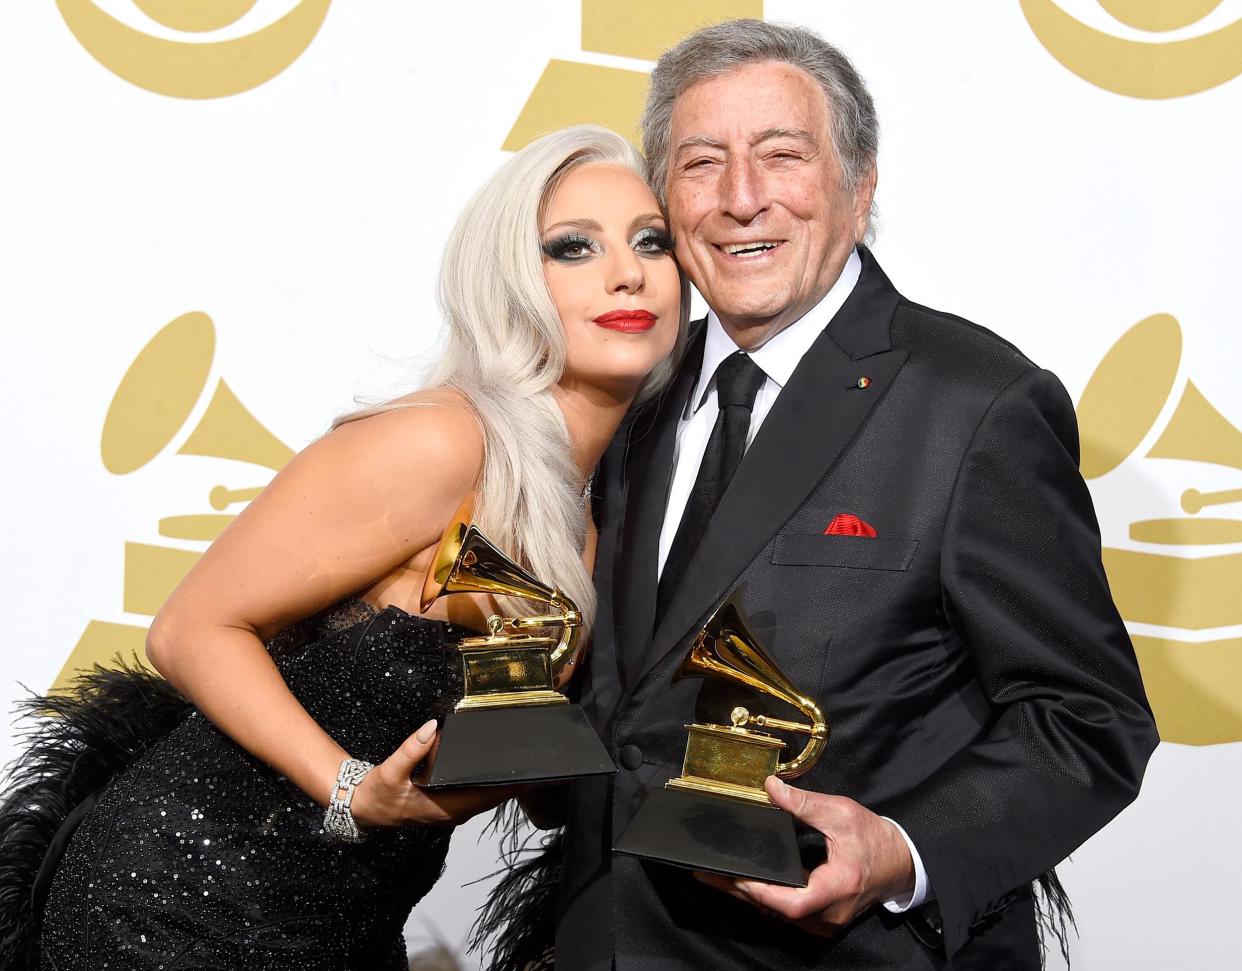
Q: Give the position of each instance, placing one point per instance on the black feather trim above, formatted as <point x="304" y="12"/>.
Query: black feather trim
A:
<point x="519" y="916"/>
<point x="76" y="743"/>
<point x="517" y="924"/>
<point x="1053" y="914"/>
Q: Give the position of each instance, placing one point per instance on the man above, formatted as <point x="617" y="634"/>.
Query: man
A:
<point x="898" y="491"/>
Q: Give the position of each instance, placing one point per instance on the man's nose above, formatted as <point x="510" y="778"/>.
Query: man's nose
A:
<point x="625" y="271"/>
<point x="742" y="193"/>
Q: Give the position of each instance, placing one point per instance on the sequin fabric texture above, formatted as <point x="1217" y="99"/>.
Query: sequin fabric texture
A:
<point x="199" y="856"/>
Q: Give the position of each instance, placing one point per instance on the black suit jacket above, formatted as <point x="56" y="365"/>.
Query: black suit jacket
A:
<point x="980" y="686"/>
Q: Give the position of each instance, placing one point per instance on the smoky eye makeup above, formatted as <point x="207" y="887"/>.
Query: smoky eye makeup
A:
<point x="573" y="247"/>
<point x="652" y="241"/>
<point x="570" y="248"/>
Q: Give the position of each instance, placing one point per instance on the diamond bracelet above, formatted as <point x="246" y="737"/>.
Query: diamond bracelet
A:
<point x="338" y="821"/>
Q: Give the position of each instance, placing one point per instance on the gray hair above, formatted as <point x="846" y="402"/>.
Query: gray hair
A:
<point x="724" y="47"/>
<point x="505" y="352"/>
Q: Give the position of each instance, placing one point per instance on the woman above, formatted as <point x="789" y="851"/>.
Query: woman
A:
<point x="297" y="637"/>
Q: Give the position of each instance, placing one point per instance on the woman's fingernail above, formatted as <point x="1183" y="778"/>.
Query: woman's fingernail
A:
<point x="427" y="732"/>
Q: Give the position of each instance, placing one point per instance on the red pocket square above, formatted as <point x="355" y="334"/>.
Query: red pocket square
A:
<point x="843" y="524"/>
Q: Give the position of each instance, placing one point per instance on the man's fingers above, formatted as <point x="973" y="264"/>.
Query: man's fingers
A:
<point x="717" y="880"/>
<point x="397" y="768"/>
<point x="837" y="890"/>
<point x="798" y="802"/>
<point x="823" y="812"/>
<point x="792" y="903"/>
<point x="798" y="906"/>
<point x="722" y="883"/>
<point x="785" y="796"/>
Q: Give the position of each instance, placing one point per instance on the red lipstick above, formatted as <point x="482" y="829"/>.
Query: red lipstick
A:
<point x="627" y="321"/>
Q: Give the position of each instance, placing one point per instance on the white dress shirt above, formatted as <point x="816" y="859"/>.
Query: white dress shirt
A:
<point x="777" y="359"/>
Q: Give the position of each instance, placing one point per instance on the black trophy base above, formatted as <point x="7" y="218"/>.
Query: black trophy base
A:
<point x="499" y="746"/>
<point x="705" y="832"/>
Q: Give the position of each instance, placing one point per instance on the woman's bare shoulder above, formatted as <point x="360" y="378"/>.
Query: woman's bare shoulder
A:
<point x="405" y="468"/>
<point x="436" y="425"/>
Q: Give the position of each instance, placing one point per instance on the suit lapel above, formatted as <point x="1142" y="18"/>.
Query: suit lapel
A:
<point x="649" y="470"/>
<point x="815" y="416"/>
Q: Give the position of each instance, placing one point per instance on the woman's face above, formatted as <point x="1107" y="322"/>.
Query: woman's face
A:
<point x="609" y="266"/>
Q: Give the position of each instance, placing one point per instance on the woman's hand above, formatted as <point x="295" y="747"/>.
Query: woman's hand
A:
<point x="387" y="797"/>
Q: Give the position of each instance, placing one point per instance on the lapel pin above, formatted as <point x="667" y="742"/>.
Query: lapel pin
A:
<point x="861" y="384"/>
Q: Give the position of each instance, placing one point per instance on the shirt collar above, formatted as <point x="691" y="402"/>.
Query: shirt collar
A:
<point x="780" y="355"/>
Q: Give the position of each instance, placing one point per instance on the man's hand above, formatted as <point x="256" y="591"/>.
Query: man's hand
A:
<point x="868" y="863"/>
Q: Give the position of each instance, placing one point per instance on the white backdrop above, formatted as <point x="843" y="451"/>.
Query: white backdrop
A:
<point x="305" y="215"/>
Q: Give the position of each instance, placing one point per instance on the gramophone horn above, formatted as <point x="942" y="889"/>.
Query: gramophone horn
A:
<point x="228" y="430"/>
<point x="465" y="561"/>
<point x="158" y="393"/>
<point x="1126" y="394"/>
<point x="726" y="649"/>
<point x="1127" y="391"/>
<point x="1198" y="432"/>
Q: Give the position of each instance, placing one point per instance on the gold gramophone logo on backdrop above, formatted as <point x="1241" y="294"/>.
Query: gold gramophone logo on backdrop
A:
<point x="1159" y="68"/>
<point x="198" y="68"/>
<point x="151" y="411"/>
<point x="1170" y="575"/>
<point x="574" y="93"/>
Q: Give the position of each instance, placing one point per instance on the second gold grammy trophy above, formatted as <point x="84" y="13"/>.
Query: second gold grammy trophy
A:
<point x="511" y="724"/>
<point x="716" y="815"/>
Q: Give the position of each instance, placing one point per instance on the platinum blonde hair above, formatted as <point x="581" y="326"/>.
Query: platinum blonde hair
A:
<point x="505" y="351"/>
<point x="724" y="47"/>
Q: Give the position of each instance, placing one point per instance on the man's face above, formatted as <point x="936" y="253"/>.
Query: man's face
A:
<point x="762" y="223"/>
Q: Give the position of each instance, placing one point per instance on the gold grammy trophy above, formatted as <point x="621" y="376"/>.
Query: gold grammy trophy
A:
<point x="716" y="815"/>
<point x="511" y="724"/>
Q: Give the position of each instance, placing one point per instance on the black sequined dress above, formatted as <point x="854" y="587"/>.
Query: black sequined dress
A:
<point x="198" y="856"/>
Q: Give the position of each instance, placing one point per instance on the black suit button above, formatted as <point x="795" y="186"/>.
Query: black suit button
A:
<point x="630" y="756"/>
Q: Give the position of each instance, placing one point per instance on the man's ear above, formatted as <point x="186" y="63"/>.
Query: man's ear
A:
<point x="863" y="197"/>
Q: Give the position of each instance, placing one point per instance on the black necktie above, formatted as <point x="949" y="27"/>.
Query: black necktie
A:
<point x="738" y="380"/>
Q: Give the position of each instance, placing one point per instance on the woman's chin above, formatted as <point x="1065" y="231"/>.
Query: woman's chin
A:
<point x="619" y="385"/>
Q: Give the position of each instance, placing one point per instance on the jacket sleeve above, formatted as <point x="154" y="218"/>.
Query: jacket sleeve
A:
<point x="1070" y="729"/>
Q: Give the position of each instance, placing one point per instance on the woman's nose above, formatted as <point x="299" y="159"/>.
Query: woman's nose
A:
<point x="625" y="272"/>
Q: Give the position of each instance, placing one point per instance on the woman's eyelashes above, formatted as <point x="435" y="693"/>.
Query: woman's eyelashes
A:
<point x="571" y="248"/>
<point x="653" y="241"/>
<point x="575" y="248"/>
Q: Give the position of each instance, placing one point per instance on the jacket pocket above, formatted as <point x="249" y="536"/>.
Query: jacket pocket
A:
<point x="853" y="552"/>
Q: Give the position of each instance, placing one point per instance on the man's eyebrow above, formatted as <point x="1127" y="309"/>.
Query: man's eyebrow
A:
<point x="703" y="141"/>
<point x="799" y="134"/>
<point x="699" y="141"/>
<point x="575" y="224"/>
